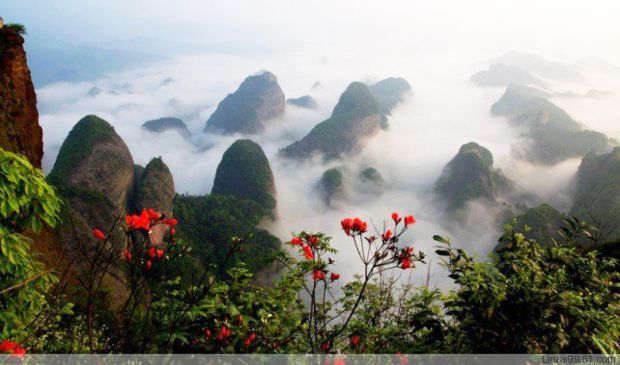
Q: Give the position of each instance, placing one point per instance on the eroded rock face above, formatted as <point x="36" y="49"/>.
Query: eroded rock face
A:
<point x="94" y="171"/>
<point x="156" y="188"/>
<point x="258" y="99"/>
<point x="244" y="172"/>
<point x="20" y="131"/>
<point x="355" y="118"/>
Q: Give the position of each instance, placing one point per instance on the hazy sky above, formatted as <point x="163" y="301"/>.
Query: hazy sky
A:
<point x="558" y="28"/>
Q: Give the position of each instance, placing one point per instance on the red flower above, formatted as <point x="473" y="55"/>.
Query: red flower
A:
<point x="359" y="225"/>
<point x="409" y="220"/>
<point x="387" y="235"/>
<point x="410" y="250"/>
<point x="250" y="338"/>
<point x="347" y="225"/>
<point x="127" y="255"/>
<point x="224" y="333"/>
<point x="153" y="214"/>
<point x="173" y="231"/>
<point x="207" y="333"/>
<point x="318" y="275"/>
<point x="148" y="264"/>
<point x="13" y="348"/>
<point x="308" y="252"/>
<point x="334" y="276"/>
<point x="355" y="340"/>
<point x="296" y="241"/>
<point x="313" y="240"/>
<point x="160" y="253"/>
<point x="325" y="346"/>
<point x="170" y="221"/>
<point x="405" y="264"/>
<point x="98" y="234"/>
<point x="142" y="221"/>
<point x="396" y="218"/>
<point x="151" y="252"/>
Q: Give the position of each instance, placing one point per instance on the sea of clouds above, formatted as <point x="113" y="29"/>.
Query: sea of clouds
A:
<point x="445" y="111"/>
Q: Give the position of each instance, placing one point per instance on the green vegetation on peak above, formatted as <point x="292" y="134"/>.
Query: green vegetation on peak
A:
<point x="258" y="99"/>
<point x="356" y="101"/>
<point x="331" y="185"/>
<point x="469" y="176"/>
<point x="207" y="223"/>
<point x="355" y="117"/>
<point x="244" y="172"/>
<point x="78" y="145"/>
<point x="544" y="222"/>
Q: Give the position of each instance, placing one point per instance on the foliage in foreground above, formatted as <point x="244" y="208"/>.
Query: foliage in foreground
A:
<point x="528" y="298"/>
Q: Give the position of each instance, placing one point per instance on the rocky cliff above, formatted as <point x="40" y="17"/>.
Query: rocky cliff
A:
<point x="155" y="188"/>
<point x="258" y="99"/>
<point x="244" y="172"/>
<point x="20" y="131"/>
<point x="356" y="117"/>
<point x="94" y="171"/>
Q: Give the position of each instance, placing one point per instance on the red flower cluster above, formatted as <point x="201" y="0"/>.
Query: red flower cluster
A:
<point x="142" y="221"/>
<point x="354" y="225"/>
<point x="296" y="241"/>
<point x="224" y="334"/>
<point x="387" y="235"/>
<point x="153" y="252"/>
<point x="127" y="255"/>
<point x="334" y="276"/>
<point x="13" y="348"/>
<point x="250" y="339"/>
<point x="355" y="340"/>
<point x="98" y="235"/>
<point x="404" y="260"/>
<point x="308" y="252"/>
<point x="318" y="275"/>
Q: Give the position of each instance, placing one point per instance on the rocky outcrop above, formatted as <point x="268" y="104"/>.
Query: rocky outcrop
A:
<point x="166" y="124"/>
<point x="597" y="198"/>
<point x="305" y="101"/>
<point x="244" y="172"/>
<point x="355" y="118"/>
<point x="499" y="74"/>
<point x="94" y="171"/>
<point x="258" y="99"/>
<point x="20" y="131"/>
<point x="470" y="175"/>
<point x="551" y="134"/>
<point x="155" y="188"/>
